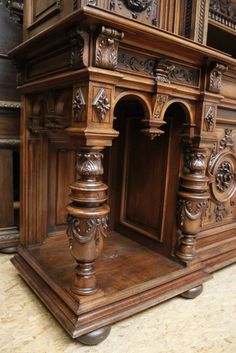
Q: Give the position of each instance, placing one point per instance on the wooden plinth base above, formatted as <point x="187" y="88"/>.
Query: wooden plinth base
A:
<point x="9" y="239"/>
<point x="131" y="278"/>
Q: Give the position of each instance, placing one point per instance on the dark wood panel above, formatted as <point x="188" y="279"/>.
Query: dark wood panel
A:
<point x="6" y="187"/>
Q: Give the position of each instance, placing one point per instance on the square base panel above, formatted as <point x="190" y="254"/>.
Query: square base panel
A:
<point x="130" y="277"/>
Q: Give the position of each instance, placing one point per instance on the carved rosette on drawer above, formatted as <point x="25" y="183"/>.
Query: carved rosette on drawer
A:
<point x="222" y="170"/>
<point x="193" y="202"/>
<point x="87" y="219"/>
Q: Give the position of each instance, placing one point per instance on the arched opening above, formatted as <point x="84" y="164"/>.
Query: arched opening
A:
<point x="143" y="175"/>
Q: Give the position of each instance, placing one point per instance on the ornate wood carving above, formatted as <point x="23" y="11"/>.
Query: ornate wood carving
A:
<point x="101" y="104"/>
<point x="152" y="130"/>
<point x="87" y="218"/>
<point x="78" y="103"/>
<point x="136" y="63"/>
<point x="184" y="75"/>
<point x="222" y="169"/>
<point x="220" y="212"/>
<point x="193" y="201"/>
<point x="210" y="118"/>
<point x="107" y="43"/>
<point x="46" y="116"/>
<point x="223" y="11"/>
<point x="79" y="48"/>
<point x="162" y="71"/>
<point x="215" y="77"/>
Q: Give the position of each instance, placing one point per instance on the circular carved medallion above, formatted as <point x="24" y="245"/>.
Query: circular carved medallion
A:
<point x="222" y="171"/>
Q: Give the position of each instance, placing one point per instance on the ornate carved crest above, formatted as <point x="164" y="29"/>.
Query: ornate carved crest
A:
<point x="102" y="105"/>
<point x="107" y="48"/>
<point x="215" y="78"/>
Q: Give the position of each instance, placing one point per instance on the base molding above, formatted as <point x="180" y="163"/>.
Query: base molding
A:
<point x="9" y="240"/>
<point x="78" y="325"/>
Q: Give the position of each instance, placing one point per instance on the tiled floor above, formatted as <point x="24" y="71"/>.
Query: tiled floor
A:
<point x="204" y="325"/>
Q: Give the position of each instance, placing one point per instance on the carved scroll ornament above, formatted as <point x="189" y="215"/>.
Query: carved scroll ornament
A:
<point x="107" y="43"/>
<point x="215" y="78"/>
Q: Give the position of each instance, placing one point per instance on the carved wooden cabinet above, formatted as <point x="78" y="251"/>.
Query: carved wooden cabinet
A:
<point x="10" y="29"/>
<point x="128" y="155"/>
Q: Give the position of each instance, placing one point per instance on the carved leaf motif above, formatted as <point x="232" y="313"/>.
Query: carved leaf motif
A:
<point x="102" y="105"/>
<point x="95" y="229"/>
<point x="90" y="164"/>
<point x="224" y="176"/>
<point x="192" y="211"/>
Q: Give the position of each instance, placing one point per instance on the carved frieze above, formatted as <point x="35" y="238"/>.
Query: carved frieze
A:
<point x="101" y="104"/>
<point x="136" y="63"/>
<point x="106" y="54"/>
<point x="185" y="75"/>
<point x="215" y="77"/>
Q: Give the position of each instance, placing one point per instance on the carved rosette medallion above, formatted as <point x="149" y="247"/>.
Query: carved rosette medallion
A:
<point x="215" y="77"/>
<point x="107" y="43"/>
<point x="101" y="104"/>
<point x="222" y="169"/>
<point x="222" y="172"/>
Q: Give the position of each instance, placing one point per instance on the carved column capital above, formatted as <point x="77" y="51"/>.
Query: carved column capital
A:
<point x="106" y="52"/>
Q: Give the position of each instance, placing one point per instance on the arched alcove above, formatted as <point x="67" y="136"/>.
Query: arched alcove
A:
<point x="143" y="174"/>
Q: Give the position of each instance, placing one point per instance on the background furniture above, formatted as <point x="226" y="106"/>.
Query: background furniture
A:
<point x="10" y="29"/>
<point x="125" y="99"/>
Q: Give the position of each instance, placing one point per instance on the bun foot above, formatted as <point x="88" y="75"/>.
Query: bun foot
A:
<point x="11" y="250"/>
<point x="95" y="337"/>
<point x="193" y="292"/>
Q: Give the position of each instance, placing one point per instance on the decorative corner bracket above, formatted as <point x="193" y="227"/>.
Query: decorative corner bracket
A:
<point x="106" y="55"/>
<point x="215" y="77"/>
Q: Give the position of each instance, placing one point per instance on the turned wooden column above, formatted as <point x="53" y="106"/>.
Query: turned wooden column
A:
<point x="87" y="218"/>
<point x="193" y="202"/>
